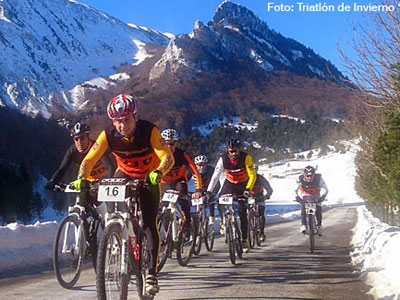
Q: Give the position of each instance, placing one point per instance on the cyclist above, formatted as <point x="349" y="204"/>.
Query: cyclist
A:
<point x="240" y="178"/>
<point x="140" y="154"/>
<point x="73" y="157"/>
<point x="206" y="171"/>
<point x="311" y="183"/>
<point x="258" y="192"/>
<point x="176" y="178"/>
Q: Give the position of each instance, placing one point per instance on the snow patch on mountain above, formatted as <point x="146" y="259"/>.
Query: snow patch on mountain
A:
<point x="51" y="46"/>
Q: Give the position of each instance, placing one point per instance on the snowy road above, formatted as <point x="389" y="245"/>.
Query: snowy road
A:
<point x="282" y="268"/>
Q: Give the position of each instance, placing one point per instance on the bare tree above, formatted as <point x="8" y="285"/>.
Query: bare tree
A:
<point x="376" y="42"/>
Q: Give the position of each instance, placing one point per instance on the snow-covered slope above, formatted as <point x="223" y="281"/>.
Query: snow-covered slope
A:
<point x="51" y="46"/>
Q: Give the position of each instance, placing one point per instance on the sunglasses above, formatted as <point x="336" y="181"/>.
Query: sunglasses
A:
<point x="201" y="165"/>
<point x="79" y="138"/>
<point x="170" y="144"/>
<point x="233" y="151"/>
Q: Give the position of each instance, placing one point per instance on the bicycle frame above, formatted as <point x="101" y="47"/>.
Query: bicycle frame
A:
<point x="171" y="196"/>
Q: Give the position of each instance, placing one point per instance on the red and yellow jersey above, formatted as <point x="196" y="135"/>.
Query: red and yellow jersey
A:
<point x="178" y="171"/>
<point x="241" y="170"/>
<point x="136" y="156"/>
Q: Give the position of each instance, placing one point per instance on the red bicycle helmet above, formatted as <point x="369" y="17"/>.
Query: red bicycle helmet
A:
<point x="121" y="106"/>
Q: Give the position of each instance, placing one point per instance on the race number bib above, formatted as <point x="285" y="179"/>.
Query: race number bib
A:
<point x="226" y="200"/>
<point x="198" y="201"/>
<point x="310" y="205"/>
<point x="112" y="190"/>
<point x="170" y="196"/>
<point x="251" y="200"/>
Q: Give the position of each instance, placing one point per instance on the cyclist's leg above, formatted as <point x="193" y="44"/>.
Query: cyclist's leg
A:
<point x="182" y="188"/>
<point x="150" y="198"/>
<point x="303" y="215"/>
<point x="242" y="208"/>
<point x="319" y="215"/>
<point x="261" y="213"/>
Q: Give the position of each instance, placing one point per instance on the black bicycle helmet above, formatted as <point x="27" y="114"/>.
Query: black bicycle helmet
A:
<point x="80" y="128"/>
<point x="309" y="170"/>
<point x="233" y="143"/>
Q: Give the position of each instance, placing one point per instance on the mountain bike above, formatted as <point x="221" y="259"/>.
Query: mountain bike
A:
<point x="204" y="231"/>
<point x="310" y="204"/>
<point x="123" y="249"/>
<point x="253" y="224"/>
<point x="173" y="235"/>
<point x="255" y="221"/>
<point x="76" y="238"/>
<point x="233" y="234"/>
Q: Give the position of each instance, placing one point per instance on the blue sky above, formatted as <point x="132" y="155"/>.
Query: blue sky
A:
<point x="321" y="31"/>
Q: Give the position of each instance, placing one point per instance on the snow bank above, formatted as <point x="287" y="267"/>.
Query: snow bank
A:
<point x="376" y="251"/>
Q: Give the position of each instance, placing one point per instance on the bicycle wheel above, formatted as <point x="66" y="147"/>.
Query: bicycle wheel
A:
<point x="198" y="223"/>
<point x="238" y="241"/>
<point x="231" y="241"/>
<point x="144" y="267"/>
<point x="185" y="245"/>
<point x="258" y="230"/>
<point x="110" y="283"/>
<point x="311" y="226"/>
<point x="165" y="230"/>
<point x="68" y="251"/>
<point x="251" y="229"/>
<point x="209" y="236"/>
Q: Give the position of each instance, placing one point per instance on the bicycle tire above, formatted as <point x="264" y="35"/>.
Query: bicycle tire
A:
<point x="165" y="230"/>
<point x="311" y="226"/>
<point x="72" y="263"/>
<point x="251" y="229"/>
<point x="143" y="267"/>
<point x="258" y="230"/>
<point x="185" y="247"/>
<point x="209" y="236"/>
<point x="231" y="241"/>
<point x="198" y="226"/>
<point x="110" y="250"/>
<point x="238" y="241"/>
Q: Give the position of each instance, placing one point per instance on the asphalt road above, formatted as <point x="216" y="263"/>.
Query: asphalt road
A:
<point x="282" y="268"/>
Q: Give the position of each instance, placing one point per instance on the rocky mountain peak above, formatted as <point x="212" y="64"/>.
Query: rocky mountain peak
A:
<point x="230" y="13"/>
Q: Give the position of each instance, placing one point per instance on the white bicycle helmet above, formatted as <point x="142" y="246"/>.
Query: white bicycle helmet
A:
<point x="200" y="159"/>
<point x="169" y="134"/>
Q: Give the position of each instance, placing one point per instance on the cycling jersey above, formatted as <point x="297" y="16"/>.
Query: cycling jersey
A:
<point x="259" y="186"/>
<point x="178" y="171"/>
<point x="236" y="172"/>
<point x="102" y="168"/>
<point x="136" y="155"/>
<point x="317" y="187"/>
<point x="206" y="178"/>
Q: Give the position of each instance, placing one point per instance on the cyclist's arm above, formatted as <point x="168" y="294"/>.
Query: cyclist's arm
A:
<point x="196" y="177"/>
<point x="162" y="151"/>
<point x="324" y="188"/>
<point x="94" y="155"/>
<point x="266" y="185"/>
<point x="218" y="171"/>
<point x="250" y="170"/>
<point x="297" y="191"/>
<point x="66" y="162"/>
